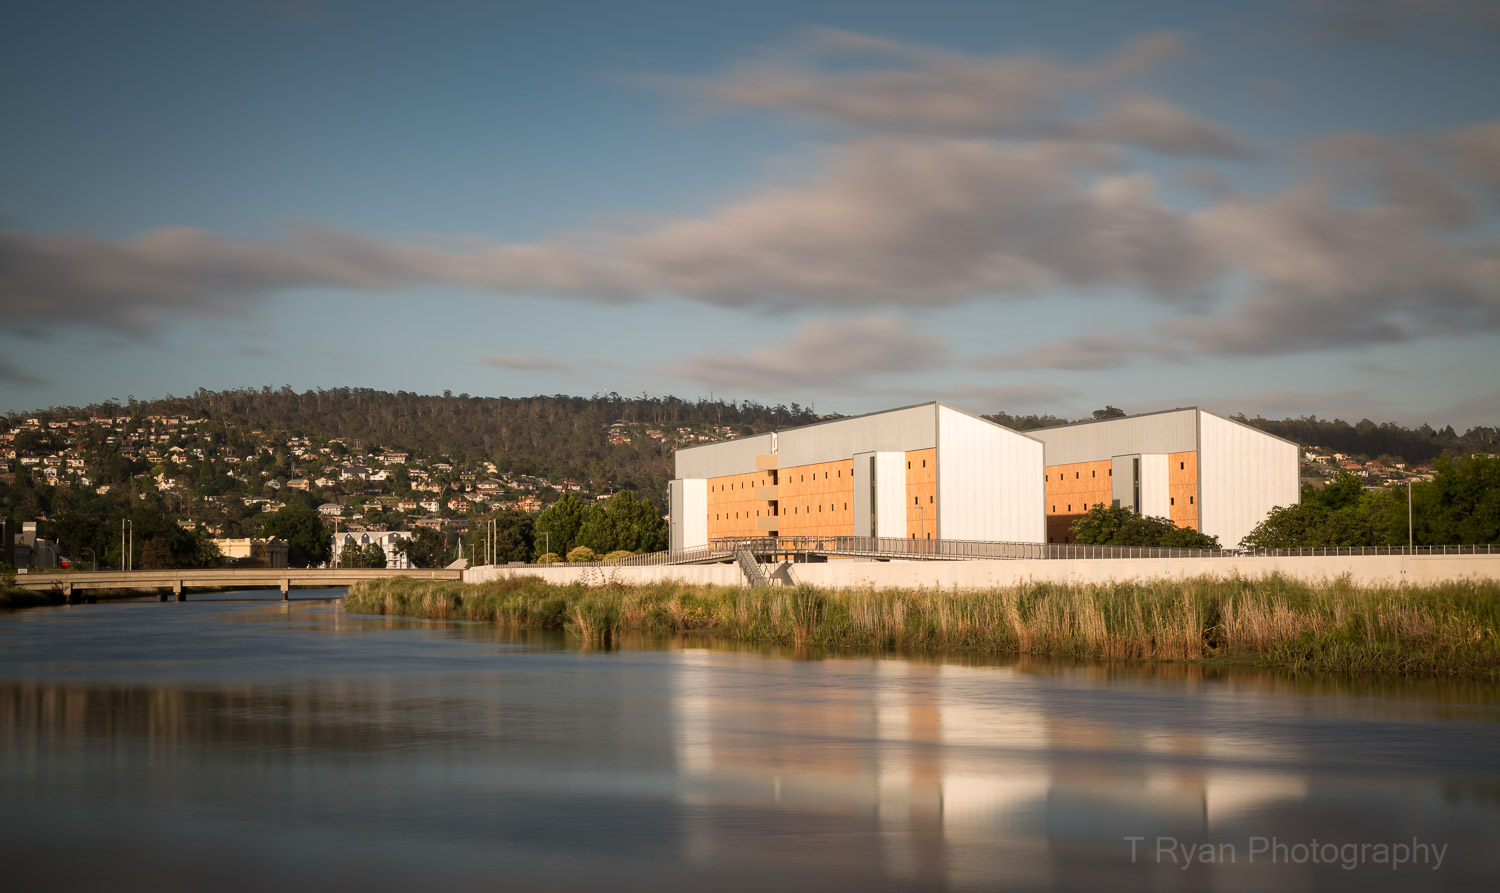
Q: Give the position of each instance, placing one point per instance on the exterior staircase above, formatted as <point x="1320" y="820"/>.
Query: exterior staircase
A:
<point x="753" y="574"/>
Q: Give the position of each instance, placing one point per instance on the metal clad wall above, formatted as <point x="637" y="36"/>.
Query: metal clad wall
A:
<point x="862" y="493"/>
<point x="890" y="494"/>
<point x="694" y="513"/>
<point x="1245" y="474"/>
<point x="1162" y="432"/>
<point x="714" y="460"/>
<point x="990" y="483"/>
<point x="674" y="511"/>
<point x="1155" y="500"/>
<point x="899" y="430"/>
<point x="1122" y="480"/>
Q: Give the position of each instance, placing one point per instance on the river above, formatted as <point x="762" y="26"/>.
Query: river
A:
<point x="239" y="742"/>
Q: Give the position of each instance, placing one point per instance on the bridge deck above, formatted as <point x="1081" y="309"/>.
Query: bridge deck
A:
<point x="248" y="578"/>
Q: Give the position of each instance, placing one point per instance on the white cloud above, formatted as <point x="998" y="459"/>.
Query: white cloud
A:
<point x="524" y="362"/>
<point x="827" y="354"/>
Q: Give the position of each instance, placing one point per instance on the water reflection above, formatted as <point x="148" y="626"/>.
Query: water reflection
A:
<point x="296" y="744"/>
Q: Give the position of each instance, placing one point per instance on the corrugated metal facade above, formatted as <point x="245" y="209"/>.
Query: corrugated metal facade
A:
<point x="694" y="524"/>
<point x="897" y="430"/>
<point x="1159" y="432"/>
<point x="1243" y="474"/>
<point x="713" y="460"/>
<point x="989" y="481"/>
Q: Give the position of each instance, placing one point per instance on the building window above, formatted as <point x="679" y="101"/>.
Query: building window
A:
<point x="1111" y="472"/>
<point x="1173" y="501"/>
<point x="1190" y="500"/>
<point x="924" y="463"/>
<point x="1093" y="473"/>
<point x="846" y="506"/>
<point x="930" y="499"/>
<point x="908" y="465"/>
<point x="1182" y="466"/>
<point x="915" y="500"/>
<point x="1075" y="475"/>
<point x="1070" y="506"/>
<point x="1046" y="477"/>
<point x="1054" y="510"/>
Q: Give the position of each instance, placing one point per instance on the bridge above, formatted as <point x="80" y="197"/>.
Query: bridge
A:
<point x="176" y="582"/>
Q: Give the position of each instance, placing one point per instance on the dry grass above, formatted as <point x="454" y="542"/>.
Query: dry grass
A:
<point x="1441" y="630"/>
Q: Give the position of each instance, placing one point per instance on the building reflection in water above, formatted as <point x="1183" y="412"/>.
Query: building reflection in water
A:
<point x="923" y="773"/>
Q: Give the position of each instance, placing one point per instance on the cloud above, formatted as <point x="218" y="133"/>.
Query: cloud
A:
<point x="1325" y="275"/>
<point x="825" y="354"/>
<point x="1099" y="350"/>
<point x="1374" y="21"/>
<point x="11" y="375"/>
<point x="909" y="88"/>
<point x="886" y="222"/>
<point x="524" y="362"/>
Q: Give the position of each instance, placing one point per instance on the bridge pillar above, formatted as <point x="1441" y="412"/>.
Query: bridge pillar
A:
<point x="286" y="590"/>
<point x="69" y="598"/>
<point x="161" y="595"/>
<point x="177" y="590"/>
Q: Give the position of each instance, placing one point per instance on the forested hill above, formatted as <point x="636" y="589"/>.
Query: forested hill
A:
<point x="570" y="436"/>
<point x="557" y="435"/>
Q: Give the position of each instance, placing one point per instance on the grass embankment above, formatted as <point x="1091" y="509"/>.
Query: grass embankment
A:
<point x="1271" y="622"/>
<point x="16" y="597"/>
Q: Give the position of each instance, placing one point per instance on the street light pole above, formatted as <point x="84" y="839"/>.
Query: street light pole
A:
<point x="94" y="559"/>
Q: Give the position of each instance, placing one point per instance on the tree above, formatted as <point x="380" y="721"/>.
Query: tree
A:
<point x="425" y="548"/>
<point x="558" y="525"/>
<point x="624" y="521"/>
<point x="1109" y="412"/>
<point x="374" y="556"/>
<point x="1109" y="525"/>
<point x="308" y="539"/>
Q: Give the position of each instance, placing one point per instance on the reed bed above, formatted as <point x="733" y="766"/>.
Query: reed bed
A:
<point x="1272" y="621"/>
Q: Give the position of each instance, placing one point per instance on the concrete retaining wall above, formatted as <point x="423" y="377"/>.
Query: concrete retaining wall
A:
<point x="1365" y="570"/>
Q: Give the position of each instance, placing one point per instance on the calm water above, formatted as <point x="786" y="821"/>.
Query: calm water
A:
<point x="239" y="742"/>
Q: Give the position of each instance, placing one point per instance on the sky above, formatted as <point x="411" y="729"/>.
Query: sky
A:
<point x="1283" y="207"/>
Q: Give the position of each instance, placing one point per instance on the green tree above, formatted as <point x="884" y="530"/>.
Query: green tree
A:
<point x="1109" y="525"/>
<point x="624" y="521"/>
<point x="425" y="548"/>
<point x="558" y="525"/>
<point x="309" y="541"/>
<point x="374" y="556"/>
<point x="1462" y="503"/>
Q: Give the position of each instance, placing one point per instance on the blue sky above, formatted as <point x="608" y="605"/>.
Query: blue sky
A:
<point x="1278" y="207"/>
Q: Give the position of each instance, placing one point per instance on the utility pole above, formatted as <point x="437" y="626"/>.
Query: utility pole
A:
<point x="1410" y="536"/>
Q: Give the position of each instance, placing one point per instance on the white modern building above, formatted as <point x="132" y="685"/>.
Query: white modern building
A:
<point x="923" y="472"/>
<point x="1201" y="470"/>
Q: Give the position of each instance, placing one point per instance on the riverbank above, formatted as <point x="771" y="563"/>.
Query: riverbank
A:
<point x="1451" y="629"/>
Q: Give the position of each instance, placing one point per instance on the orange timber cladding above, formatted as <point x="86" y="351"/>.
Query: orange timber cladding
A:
<point x="815" y="500"/>
<point x="1071" y="489"/>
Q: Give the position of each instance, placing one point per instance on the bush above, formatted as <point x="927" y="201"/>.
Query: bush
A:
<point x="549" y="558"/>
<point x="618" y="555"/>
<point x="581" y="554"/>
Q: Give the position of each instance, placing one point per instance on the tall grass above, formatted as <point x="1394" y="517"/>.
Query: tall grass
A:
<point x="1449" y="629"/>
